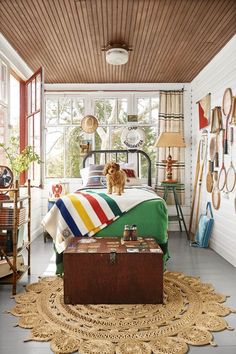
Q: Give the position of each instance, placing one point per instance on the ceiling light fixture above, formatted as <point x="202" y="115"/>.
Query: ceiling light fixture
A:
<point x="117" y="54"/>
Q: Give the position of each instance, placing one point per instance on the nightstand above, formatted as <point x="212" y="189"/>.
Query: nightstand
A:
<point x="51" y="202"/>
<point x="171" y="188"/>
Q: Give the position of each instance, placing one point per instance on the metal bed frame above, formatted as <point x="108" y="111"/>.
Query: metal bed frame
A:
<point x="117" y="153"/>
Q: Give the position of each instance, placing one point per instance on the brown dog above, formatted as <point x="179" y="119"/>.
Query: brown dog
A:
<point x="115" y="178"/>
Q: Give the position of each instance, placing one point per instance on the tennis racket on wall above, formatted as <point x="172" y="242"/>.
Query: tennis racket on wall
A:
<point x="215" y="195"/>
<point x="216" y="120"/>
<point x="233" y="114"/>
<point x="209" y="177"/>
<point x="216" y="127"/>
<point x="217" y="151"/>
<point x="227" y="108"/>
<point x="222" y="175"/>
<point x="231" y="173"/>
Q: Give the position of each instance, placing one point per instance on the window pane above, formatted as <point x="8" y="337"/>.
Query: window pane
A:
<point x="65" y="111"/>
<point x="3" y="82"/>
<point x="144" y="110"/>
<point x="111" y="111"/>
<point x="54" y="152"/>
<point x="3" y="119"/>
<point x="150" y="138"/>
<point x="29" y="98"/>
<point x="37" y="142"/>
<point x="33" y="95"/>
<point x="100" y="108"/>
<point x="51" y="111"/>
<point x="14" y="117"/>
<point x="31" y="142"/>
<point x="122" y="108"/>
<point x="77" y="110"/>
<point x="72" y="148"/>
<point x="37" y="133"/>
<point x="155" y="110"/>
<point x="38" y="91"/>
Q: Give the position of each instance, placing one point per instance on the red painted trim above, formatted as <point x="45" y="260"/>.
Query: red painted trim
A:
<point x="39" y="71"/>
<point x="23" y="125"/>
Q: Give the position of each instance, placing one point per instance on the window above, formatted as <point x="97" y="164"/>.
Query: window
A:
<point x="3" y="82"/>
<point x="14" y="116"/>
<point x="112" y="117"/>
<point x="147" y="110"/>
<point x="63" y="136"/>
<point x="33" y="126"/>
<point x="112" y="114"/>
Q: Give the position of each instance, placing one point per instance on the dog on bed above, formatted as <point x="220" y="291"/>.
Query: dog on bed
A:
<point x="115" y="178"/>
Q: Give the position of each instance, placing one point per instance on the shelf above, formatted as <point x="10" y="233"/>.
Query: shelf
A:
<point x="9" y="278"/>
<point x="19" y="199"/>
<point x="13" y="217"/>
<point x="19" y="250"/>
<point x="11" y="226"/>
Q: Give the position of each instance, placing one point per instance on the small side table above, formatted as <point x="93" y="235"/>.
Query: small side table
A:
<point x="171" y="187"/>
<point x="51" y="202"/>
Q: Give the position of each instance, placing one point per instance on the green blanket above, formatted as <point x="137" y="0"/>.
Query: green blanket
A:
<point x="151" y="219"/>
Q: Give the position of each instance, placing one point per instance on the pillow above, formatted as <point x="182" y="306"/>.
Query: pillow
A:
<point x="131" y="179"/>
<point x="84" y="173"/>
<point x="96" y="177"/>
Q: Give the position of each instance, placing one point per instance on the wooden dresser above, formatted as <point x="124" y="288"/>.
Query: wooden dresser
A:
<point x="112" y="271"/>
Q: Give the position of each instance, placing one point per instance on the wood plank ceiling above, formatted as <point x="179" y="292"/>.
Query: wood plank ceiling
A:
<point x="172" y="40"/>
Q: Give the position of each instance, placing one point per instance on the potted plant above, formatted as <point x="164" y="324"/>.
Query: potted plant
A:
<point x="19" y="161"/>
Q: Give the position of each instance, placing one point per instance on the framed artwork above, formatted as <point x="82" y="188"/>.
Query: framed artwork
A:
<point x="204" y="111"/>
<point x="133" y="118"/>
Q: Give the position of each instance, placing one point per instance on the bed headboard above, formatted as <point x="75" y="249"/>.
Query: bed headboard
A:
<point x="114" y="156"/>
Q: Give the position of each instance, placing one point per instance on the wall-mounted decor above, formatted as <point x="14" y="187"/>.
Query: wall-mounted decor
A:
<point x="89" y="124"/>
<point x="204" y="110"/>
<point x="133" y="118"/>
<point x="132" y="137"/>
<point x="227" y="108"/>
<point x="233" y="115"/>
<point x="216" y="120"/>
<point x="231" y="172"/>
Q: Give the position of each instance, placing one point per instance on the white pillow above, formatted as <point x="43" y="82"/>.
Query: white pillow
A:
<point x="84" y="173"/>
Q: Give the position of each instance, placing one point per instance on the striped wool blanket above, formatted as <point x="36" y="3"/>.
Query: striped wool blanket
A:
<point x="88" y="211"/>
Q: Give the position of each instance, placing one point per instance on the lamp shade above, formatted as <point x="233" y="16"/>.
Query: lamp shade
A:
<point x="170" y="140"/>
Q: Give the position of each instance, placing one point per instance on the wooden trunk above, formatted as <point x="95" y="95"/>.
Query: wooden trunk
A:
<point x="113" y="271"/>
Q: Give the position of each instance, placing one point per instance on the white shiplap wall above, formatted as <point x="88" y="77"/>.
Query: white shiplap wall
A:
<point x="219" y="74"/>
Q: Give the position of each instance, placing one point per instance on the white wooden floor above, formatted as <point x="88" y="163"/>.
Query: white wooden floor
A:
<point x="200" y="262"/>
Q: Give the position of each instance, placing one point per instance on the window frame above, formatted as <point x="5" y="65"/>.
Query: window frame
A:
<point x="58" y="96"/>
<point x="5" y="103"/>
<point x="89" y="108"/>
<point x="27" y="116"/>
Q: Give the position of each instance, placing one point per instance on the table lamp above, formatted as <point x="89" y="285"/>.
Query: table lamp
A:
<point x="169" y="140"/>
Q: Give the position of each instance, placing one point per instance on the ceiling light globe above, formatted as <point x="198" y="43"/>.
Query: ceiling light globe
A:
<point x="117" y="56"/>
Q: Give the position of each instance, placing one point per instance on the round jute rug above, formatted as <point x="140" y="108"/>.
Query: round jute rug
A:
<point x="191" y="311"/>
